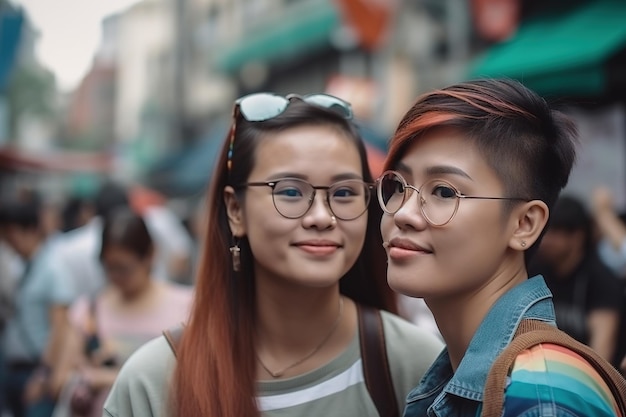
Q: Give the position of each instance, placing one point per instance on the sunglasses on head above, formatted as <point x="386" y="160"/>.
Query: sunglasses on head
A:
<point x="259" y="107"/>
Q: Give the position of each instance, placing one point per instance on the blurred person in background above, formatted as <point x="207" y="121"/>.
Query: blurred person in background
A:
<point x="291" y="249"/>
<point x="11" y="267"/>
<point x="196" y="225"/>
<point x="611" y="227"/>
<point x="131" y="309"/>
<point x="174" y="245"/>
<point x="33" y="333"/>
<point x="79" y="248"/>
<point x="51" y="218"/>
<point x="76" y="212"/>
<point x="587" y="295"/>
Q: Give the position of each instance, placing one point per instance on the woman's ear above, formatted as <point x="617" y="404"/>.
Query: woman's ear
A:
<point x="531" y="219"/>
<point x="234" y="212"/>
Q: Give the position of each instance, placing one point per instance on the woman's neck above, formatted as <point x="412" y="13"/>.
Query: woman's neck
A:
<point x="458" y="317"/>
<point x="142" y="298"/>
<point x="292" y="324"/>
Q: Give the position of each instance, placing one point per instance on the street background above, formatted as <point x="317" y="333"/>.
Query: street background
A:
<point x="151" y="100"/>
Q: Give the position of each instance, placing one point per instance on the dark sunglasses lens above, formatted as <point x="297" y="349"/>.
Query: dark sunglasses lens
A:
<point x="260" y="107"/>
<point x="331" y="103"/>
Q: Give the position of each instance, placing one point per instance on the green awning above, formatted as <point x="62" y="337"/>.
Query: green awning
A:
<point x="562" y="53"/>
<point x="306" y="27"/>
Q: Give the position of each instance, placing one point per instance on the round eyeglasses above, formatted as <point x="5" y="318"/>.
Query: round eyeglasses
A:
<point x="293" y="197"/>
<point x="438" y="199"/>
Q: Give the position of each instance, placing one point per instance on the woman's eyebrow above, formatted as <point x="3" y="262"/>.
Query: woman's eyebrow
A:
<point x="447" y="169"/>
<point x="435" y="170"/>
<point x="337" y="177"/>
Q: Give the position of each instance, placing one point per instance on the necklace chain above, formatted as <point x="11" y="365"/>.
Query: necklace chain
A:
<point x="281" y="372"/>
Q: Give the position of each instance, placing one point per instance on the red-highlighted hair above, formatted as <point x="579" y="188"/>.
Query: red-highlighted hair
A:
<point x="529" y="145"/>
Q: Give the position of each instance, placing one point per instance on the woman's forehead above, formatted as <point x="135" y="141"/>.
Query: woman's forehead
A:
<point x="318" y="148"/>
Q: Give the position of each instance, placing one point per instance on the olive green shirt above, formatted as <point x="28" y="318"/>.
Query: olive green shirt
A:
<point x="336" y="389"/>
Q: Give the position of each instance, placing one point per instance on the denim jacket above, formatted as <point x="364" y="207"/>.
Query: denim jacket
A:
<point x="443" y="392"/>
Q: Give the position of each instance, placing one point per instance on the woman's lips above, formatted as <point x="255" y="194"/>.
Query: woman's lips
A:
<point x="318" y="248"/>
<point x="399" y="249"/>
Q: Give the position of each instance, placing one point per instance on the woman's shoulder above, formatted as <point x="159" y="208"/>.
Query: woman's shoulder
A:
<point x="143" y="382"/>
<point x="411" y="350"/>
<point x="406" y="336"/>
<point x="561" y="378"/>
<point x="153" y="357"/>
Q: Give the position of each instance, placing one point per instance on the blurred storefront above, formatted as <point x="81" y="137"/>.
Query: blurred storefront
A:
<point x="574" y="54"/>
<point x="576" y="50"/>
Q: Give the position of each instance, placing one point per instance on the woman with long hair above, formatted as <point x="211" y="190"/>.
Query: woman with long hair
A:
<point x="292" y="251"/>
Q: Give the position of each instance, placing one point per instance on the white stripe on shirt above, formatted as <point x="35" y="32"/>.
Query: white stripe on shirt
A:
<point x="348" y="378"/>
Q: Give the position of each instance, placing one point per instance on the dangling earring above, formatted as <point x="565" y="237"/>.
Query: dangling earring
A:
<point x="235" y="254"/>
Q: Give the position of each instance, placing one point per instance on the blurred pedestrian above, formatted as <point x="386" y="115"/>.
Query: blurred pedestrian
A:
<point x="79" y="248"/>
<point x="292" y="247"/>
<point x="11" y="267"/>
<point x="130" y="310"/>
<point x="473" y="171"/>
<point x="587" y="296"/>
<point x="612" y="251"/>
<point x="33" y="333"/>
<point x="76" y="212"/>
<point x="612" y="230"/>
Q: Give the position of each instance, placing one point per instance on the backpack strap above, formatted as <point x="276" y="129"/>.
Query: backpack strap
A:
<point x="534" y="332"/>
<point x="173" y="335"/>
<point x="375" y="362"/>
<point x="373" y="353"/>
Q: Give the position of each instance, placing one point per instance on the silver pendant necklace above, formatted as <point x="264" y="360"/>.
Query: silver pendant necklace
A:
<point x="281" y="372"/>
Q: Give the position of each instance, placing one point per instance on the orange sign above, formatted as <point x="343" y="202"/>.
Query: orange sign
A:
<point x="370" y="19"/>
<point x="496" y="20"/>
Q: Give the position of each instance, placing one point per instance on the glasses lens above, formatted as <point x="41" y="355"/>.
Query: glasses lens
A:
<point x="331" y="103"/>
<point x="261" y="106"/>
<point x="439" y="201"/>
<point x="292" y="197"/>
<point x="390" y="188"/>
<point x="349" y="199"/>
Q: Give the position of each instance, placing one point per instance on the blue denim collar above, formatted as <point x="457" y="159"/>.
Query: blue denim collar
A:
<point x="530" y="299"/>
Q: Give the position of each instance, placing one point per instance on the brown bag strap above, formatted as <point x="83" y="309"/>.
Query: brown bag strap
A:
<point x="373" y="353"/>
<point x="375" y="362"/>
<point x="531" y="333"/>
<point x="173" y="336"/>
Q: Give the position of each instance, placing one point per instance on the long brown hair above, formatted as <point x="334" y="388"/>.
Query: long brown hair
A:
<point x="215" y="373"/>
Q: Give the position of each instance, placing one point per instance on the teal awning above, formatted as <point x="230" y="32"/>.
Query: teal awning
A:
<point x="11" y="22"/>
<point x="561" y="53"/>
<point x="303" y="28"/>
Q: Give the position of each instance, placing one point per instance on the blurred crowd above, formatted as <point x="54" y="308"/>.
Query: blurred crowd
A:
<point x="84" y="285"/>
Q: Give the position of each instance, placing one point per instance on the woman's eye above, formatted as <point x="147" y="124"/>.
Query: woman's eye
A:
<point x="444" y="191"/>
<point x="398" y="187"/>
<point x="289" y="192"/>
<point x="344" y="192"/>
